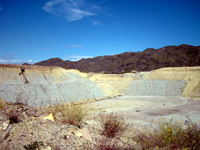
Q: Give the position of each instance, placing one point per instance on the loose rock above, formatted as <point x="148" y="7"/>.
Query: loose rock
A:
<point x="6" y="124"/>
<point x="84" y="133"/>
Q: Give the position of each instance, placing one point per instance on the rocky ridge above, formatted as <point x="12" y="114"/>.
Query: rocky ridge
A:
<point x="149" y="59"/>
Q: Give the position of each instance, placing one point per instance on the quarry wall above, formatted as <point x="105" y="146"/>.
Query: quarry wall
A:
<point x="44" y="94"/>
<point x="191" y="75"/>
<point x="53" y="85"/>
<point x="155" y="88"/>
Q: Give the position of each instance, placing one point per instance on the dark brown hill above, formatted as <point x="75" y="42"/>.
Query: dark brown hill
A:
<point x="149" y="59"/>
<point x="50" y="62"/>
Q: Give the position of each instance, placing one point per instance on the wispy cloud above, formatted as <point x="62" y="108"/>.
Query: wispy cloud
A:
<point x="75" y="57"/>
<point x="71" y="10"/>
<point x="1" y="8"/>
<point x="96" y="23"/>
<point x="75" y="46"/>
<point x="12" y="61"/>
<point x="9" y="59"/>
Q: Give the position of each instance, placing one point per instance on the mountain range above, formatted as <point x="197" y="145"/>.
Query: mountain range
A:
<point x="149" y="59"/>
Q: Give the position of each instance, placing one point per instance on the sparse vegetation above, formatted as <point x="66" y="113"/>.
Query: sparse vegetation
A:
<point x="70" y="113"/>
<point x="105" y="143"/>
<point x="112" y="125"/>
<point x="2" y="104"/>
<point x="33" y="146"/>
<point x="166" y="136"/>
<point x="170" y="135"/>
<point x="14" y="117"/>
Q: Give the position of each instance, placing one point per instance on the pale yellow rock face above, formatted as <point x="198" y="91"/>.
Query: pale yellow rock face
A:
<point x="111" y="84"/>
<point x="38" y="75"/>
<point x="176" y="73"/>
<point x="190" y="74"/>
<point x="192" y="89"/>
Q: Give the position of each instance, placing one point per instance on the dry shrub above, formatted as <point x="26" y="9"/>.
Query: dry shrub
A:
<point x="112" y="125"/>
<point x="10" y="112"/>
<point x="112" y="144"/>
<point x="105" y="143"/>
<point x="14" y="117"/>
<point x="170" y="135"/>
<point x="69" y="113"/>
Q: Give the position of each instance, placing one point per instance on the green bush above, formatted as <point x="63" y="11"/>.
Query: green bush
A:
<point x="33" y="146"/>
<point x="170" y="135"/>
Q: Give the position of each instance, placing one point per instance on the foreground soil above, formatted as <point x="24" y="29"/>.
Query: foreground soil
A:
<point x="137" y="111"/>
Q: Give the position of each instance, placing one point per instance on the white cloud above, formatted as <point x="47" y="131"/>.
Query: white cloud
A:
<point x="71" y="10"/>
<point x="12" y="61"/>
<point x="75" y="57"/>
<point x="9" y="59"/>
<point x="75" y="46"/>
<point x="95" y="23"/>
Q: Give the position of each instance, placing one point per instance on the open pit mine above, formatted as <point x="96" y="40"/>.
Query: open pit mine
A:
<point x="41" y="86"/>
<point x="33" y="111"/>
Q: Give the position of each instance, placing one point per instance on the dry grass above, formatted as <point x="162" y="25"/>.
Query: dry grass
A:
<point x="112" y="125"/>
<point x="112" y="144"/>
<point x="2" y="104"/>
<point x="69" y="113"/>
<point x="105" y="143"/>
<point x="170" y="135"/>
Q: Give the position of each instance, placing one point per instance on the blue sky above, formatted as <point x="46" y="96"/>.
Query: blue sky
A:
<point x="35" y="30"/>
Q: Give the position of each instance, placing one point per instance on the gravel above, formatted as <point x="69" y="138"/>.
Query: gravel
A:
<point x="155" y="88"/>
<point x="44" y="94"/>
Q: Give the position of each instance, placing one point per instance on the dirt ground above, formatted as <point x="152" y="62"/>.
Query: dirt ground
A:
<point x="137" y="111"/>
<point x="145" y="109"/>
